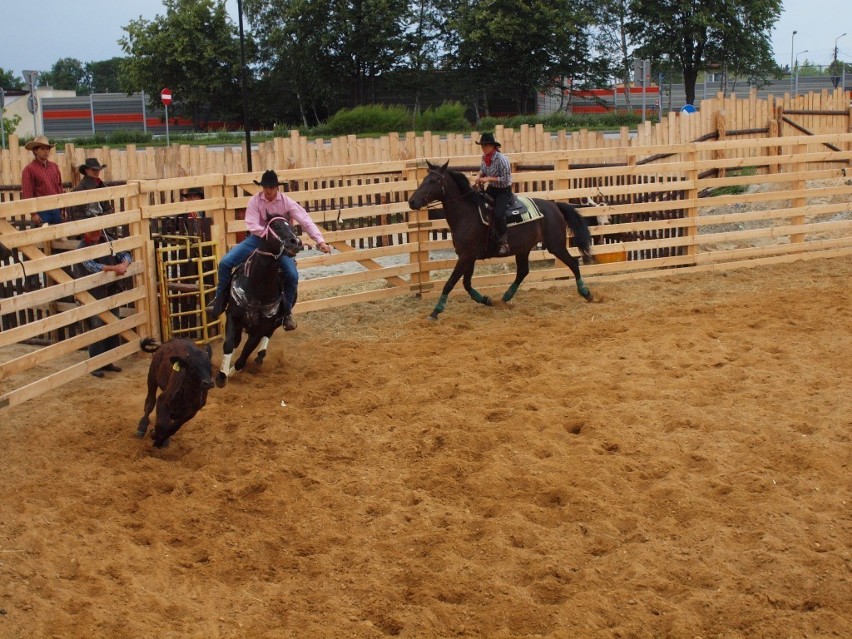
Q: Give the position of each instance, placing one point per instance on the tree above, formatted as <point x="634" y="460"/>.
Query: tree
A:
<point x="613" y="40"/>
<point x="194" y="50"/>
<point x="67" y="74"/>
<point x="329" y="52"/>
<point x="8" y="80"/>
<point x="104" y="76"/>
<point x="700" y="34"/>
<point x="517" y="48"/>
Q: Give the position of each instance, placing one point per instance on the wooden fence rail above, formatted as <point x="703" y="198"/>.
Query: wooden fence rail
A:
<point x="718" y="118"/>
<point x="792" y="200"/>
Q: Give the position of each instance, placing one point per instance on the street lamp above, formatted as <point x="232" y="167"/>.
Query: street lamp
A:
<point x="792" y="48"/>
<point x="835" y="45"/>
<point x="797" y="70"/>
<point x="243" y="85"/>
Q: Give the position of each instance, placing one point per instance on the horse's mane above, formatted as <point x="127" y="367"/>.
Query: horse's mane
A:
<point x="464" y="186"/>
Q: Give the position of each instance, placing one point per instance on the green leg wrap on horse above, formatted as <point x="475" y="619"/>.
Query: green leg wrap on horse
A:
<point x="442" y="302"/>
<point x="582" y="289"/>
<point x="510" y="292"/>
<point x="478" y="297"/>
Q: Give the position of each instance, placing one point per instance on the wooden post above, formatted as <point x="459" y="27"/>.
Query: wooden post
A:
<point x="719" y="154"/>
<point x="418" y="233"/>
<point x="799" y="203"/>
<point x="692" y="201"/>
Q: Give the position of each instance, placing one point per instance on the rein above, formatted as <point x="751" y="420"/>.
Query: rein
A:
<point x="443" y="199"/>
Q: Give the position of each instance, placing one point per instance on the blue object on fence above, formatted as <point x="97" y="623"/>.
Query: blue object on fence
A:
<point x="688" y="108"/>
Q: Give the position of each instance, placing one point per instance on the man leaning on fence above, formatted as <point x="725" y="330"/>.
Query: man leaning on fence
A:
<point x="42" y="177"/>
<point x="116" y="263"/>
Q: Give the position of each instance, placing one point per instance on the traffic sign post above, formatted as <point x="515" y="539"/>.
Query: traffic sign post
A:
<point x="166" y="98"/>
<point x="32" y="102"/>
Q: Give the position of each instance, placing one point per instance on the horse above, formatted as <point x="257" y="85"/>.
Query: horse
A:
<point x="471" y="235"/>
<point x="255" y="303"/>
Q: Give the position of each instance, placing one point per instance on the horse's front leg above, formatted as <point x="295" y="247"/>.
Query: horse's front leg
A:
<point x="233" y="335"/>
<point x="522" y="261"/>
<point x="468" y="286"/>
<point x="461" y="268"/>
<point x="251" y="343"/>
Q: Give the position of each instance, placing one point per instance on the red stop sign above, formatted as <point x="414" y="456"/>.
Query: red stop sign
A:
<point x="166" y="96"/>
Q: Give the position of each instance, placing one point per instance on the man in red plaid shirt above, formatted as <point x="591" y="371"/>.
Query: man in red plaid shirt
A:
<point x="41" y="177"/>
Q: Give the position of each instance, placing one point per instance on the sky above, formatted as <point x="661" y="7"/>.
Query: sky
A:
<point x="90" y="32"/>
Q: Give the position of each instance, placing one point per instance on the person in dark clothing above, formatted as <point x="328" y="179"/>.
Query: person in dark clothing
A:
<point x="117" y="263"/>
<point x="91" y="170"/>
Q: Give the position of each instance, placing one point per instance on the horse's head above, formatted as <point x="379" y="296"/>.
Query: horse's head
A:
<point x="431" y="189"/>
<point x="281" y="238"/>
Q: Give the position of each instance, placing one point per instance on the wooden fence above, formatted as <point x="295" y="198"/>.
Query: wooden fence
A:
<point x="718" y="118"/>
<point x="666" y="206"/>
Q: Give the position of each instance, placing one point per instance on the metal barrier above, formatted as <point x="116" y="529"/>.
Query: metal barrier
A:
<point x="186" y="265"/>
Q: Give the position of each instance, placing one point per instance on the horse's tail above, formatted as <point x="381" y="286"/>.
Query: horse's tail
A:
<point x="579" y="228"/>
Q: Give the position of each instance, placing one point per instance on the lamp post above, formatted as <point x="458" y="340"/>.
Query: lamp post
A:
<point x="835" y="45"/>
<point x="792" y="48"/>
<point x="243" y="78"/>
<point x="797" y="69"/>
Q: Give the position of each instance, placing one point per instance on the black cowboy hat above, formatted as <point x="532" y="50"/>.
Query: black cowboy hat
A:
<point x="488" y="138"/>
<point x="91" y="163"/>
<point x="195" y="191"/>
<point x="269" y="178"/>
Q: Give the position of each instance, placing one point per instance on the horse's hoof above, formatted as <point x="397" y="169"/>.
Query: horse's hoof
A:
<point x="140" y="432"/>
<point x="221" y="379"/>
<point x="433" y="316"/>
<point x="487" y="301"/>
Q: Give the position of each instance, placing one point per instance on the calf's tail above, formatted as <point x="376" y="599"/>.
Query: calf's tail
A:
<point x="149" y="344"/>
<point x="579" y="228"/>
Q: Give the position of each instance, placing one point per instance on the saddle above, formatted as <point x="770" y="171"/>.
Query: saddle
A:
<point x="520" y="211"/>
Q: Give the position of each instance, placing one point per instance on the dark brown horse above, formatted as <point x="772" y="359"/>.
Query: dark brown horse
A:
<point x="471" y="236"/>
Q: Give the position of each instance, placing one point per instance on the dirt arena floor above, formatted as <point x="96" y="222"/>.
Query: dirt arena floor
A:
<point x="671" y="462"/>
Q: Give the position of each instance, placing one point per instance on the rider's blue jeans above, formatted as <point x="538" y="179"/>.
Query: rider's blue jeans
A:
<point x="239" y="254"/>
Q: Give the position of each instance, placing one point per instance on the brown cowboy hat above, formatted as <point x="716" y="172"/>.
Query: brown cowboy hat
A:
<point x="39" y="141"/>
<point x="91" y="163"/>
<point x="269" y="178"/>
<point x="488" y="138"/>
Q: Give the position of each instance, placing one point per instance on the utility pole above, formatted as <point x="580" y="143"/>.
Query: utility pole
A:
<point x="792" y="48"/>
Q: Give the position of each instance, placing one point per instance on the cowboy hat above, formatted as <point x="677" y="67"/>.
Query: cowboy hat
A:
<point x="488" y="138"/>
<point x="195" y="191"/>
<point x="91" y="163"/>
<point x="39" y="141"/>
<point x="269" y="178"/>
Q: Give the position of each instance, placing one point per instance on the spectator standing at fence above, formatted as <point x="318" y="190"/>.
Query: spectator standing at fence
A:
<point x="91" y="170"/>
<point x="42" y="177"/>
<point x="261" y="208"/>
<point x="116" y="263"/>
<point x="191" y="222"/>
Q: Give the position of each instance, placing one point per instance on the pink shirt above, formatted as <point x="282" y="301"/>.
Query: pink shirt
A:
<point x="39" y="179"/>
<point x="260" y="210"/>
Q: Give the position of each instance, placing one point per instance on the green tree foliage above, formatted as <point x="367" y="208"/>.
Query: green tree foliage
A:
<point x="8" y="80"/>
<point x="104" y="76"/>
<point x="66" y="74"/>
<point x="721" y="33"/>
<point x="516" y="48"/>
<point x="317" y="48"/>
<point x="194" y="50"/>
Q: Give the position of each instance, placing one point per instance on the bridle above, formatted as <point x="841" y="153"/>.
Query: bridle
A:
<point x="258" y="251"/>
<point x="443" y="199"/>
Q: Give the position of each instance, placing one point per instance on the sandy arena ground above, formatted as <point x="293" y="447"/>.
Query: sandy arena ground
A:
<point x="672" y="462"/>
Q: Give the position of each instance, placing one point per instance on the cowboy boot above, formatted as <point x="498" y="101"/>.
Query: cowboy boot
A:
<point x="216" y="308"/>
<point x="503" y="245"/>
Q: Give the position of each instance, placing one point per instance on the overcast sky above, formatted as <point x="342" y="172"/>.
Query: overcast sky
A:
<point x="35" y="35"/>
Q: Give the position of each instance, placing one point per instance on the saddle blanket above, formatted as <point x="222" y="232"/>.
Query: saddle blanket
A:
<point x="522" y="210"/>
